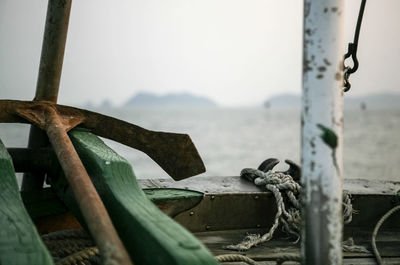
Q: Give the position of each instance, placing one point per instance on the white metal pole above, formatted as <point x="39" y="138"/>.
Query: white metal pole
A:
<point x="322" y="125"/>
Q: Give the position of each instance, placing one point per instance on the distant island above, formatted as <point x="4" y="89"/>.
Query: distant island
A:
<point x="169" y="100"/>
<point x="374" y="101"/>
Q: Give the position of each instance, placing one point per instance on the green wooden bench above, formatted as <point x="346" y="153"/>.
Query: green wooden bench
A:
<point x="150" y="236"/>
<point x="20" y="243"/>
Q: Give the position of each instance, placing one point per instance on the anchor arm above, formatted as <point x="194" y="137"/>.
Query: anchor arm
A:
<point x="173" y="152"/>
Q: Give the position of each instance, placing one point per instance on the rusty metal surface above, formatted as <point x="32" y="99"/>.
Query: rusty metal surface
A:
<point x="51" y="60"/>
<point x="90" y="204"/>
<point x="174" y="152"/>
<point x="37" y="113"/>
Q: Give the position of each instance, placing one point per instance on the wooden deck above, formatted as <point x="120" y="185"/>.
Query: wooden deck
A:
<point x="266" y="254"/>
<point x="233" y="207"/>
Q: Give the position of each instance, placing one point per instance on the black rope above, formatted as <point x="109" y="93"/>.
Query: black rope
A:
<point x="352" y="50"/>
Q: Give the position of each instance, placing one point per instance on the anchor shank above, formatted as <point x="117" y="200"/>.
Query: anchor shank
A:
<point x="89" y="202"/>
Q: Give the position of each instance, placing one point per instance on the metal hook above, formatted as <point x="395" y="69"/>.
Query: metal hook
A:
<point x="352" y="50"/>
<point x="346" y="82"/>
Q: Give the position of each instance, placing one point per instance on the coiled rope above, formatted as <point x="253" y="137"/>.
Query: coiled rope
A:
<point x="70" y="247"/>
<point x="285" y="258"/>
<point x="80" y="257"/>
<point x="285" y="190"/>
<point x="235" y="258"/>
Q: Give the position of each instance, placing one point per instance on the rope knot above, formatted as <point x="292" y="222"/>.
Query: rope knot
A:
<point x="287" y="196"/>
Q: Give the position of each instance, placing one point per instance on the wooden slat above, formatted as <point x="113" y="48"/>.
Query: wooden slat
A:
<point x="359" y="261"/>
<point x="370" y="261"/>
<point x="236" y="184"/>
<point x="42" y="203"/>
<point x="19" y="241"/>
<point x="150" y="236"/>
<point x="388" y="244"/>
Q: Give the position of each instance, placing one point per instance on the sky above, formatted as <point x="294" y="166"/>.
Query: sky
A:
<point x="236" y="52"/>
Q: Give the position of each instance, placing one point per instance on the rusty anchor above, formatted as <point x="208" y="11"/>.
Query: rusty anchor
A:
<point x="175" y="153"/>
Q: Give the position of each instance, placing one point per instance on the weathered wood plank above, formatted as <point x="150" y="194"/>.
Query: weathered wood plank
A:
<point x="19" y="241"/>
<point x="236" y="184"/>
<point x="224" y="211"/>
<point x="150" y="236"/>
<point x="388" y="245"/>
<point x="370" y="261"/>
<point x="361" y="261"/>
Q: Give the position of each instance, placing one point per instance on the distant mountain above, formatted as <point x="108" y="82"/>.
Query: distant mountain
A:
<point x="169" y="100"/>
<point x="374" y="101"/>
<point x="105" y="104"/>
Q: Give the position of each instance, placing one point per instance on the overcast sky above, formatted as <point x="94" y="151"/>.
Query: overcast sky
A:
<point x="237" y="52"/>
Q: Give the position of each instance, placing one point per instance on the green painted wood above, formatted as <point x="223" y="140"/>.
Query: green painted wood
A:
<point x="167" y="195"/>
<point x="174" y="201"/>
<point x="20" y="243"/>
<point x="150" y="236"/>
<point x="42" y="203"/>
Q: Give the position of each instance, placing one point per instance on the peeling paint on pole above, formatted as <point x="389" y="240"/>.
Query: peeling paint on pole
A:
<point x="322" y="125"/>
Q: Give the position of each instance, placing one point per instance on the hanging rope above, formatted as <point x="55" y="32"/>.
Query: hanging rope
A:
<point x="286" y="192"/>
<point x="375" y="233"/>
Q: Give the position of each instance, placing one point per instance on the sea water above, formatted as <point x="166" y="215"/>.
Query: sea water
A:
<point x="230" y="139"/>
